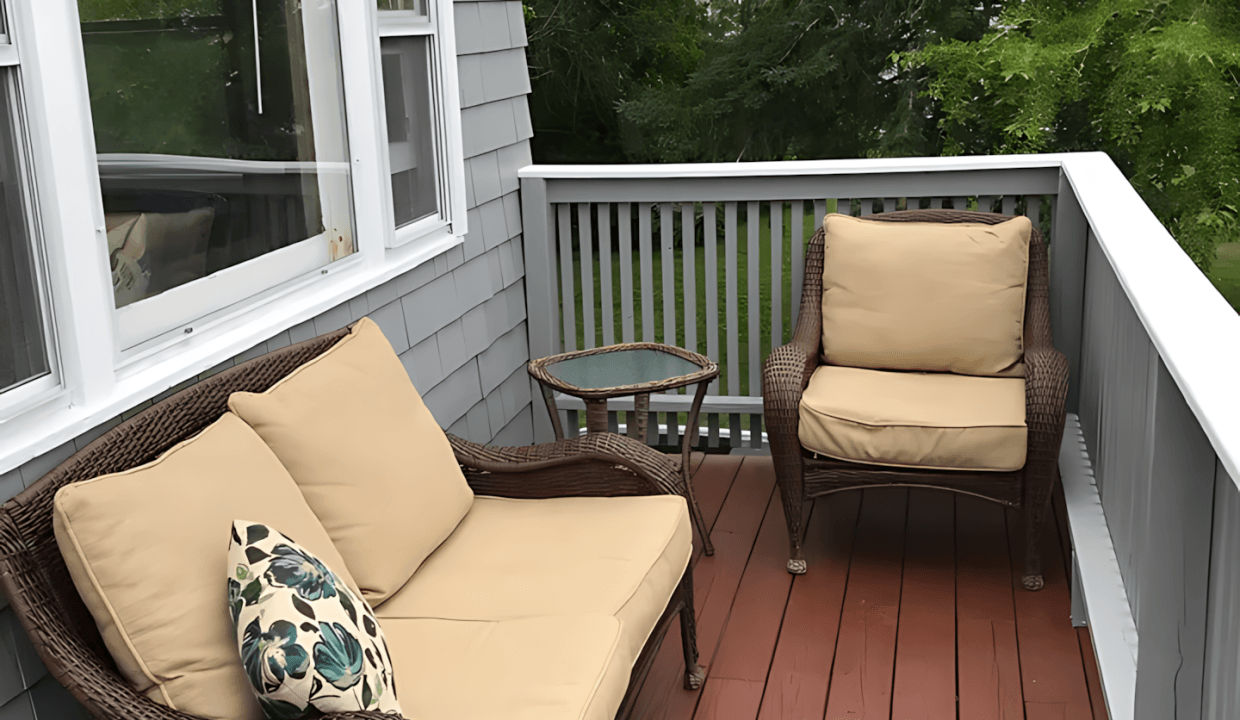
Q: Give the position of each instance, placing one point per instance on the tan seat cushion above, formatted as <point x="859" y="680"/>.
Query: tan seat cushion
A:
<point x="925" y="420"/>
<point x="369" y="457"/>
<point x="936" y="297"/>
<point x="544" y="668"/>
<point x="620" y="556"/>
<point x="148" y="549"/>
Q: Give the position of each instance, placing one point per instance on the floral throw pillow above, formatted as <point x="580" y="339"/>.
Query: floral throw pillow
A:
<point x="308" y="643"/>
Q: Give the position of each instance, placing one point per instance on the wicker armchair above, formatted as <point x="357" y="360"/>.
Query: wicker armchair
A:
<point x="802" y="475"/>
<point x="36" y="582"/>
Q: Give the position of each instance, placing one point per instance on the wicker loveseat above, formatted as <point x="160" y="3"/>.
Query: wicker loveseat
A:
<point x="594" y="469"/>
<point x="1039" y="420"/>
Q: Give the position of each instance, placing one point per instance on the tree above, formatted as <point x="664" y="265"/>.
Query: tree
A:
<point x="587" y="56"/>
<point x="800" y="78"/>
<point x="1154" y="83"/>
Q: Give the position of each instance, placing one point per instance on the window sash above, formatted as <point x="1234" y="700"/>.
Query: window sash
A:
<point x="21" y="211"/>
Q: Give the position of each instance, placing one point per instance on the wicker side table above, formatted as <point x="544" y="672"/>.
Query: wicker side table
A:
<point x="636" y="369"/>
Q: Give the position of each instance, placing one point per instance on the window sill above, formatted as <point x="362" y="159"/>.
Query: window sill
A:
<point x="161" y="367"/>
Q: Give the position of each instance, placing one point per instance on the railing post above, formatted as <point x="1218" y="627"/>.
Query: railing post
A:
<point x="542" y="309"/>
<point x="1067" y="282"/>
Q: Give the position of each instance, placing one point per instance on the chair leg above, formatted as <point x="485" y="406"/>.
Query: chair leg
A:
<point x="695" y="676"/>
<point x="1035" y="519"/>
<point x="790" y="477"/>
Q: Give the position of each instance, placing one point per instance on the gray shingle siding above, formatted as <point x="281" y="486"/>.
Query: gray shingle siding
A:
<point x="457" y="322"/>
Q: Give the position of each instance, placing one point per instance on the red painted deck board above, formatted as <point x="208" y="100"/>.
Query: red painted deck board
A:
<point x="715" y="580"/>
<point x="861" y="679"/>
<point x="1051" y="670"/>
<point x="748" y="642"/>
<point x="925" y="679"/>
<point x="815" y="646"/>
<point x="987" y="659"/>
<point x="801" y="671"/>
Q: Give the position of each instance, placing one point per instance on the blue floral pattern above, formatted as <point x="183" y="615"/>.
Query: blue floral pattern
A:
<point x="304" y="573"/>
<point x="307" y="642"/>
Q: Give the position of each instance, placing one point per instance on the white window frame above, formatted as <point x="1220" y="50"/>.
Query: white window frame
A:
<point x="101" y="373"/>
<point x="31" y="393"/>
<point x="445" y="117"/>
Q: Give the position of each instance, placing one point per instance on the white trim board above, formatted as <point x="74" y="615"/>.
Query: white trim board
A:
<point x="1111" y="627"/>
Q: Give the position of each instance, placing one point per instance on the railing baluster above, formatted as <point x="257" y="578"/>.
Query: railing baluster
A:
<point x="729" y="287"/>
<point x="798" y="258"/>
<point x="960" y="203"/>
<point x="668" y="267"/>
<point x="985" y="203"/>
<point x="1033" y="210"/>
<point x="711" y="240"/>
<point x="889" y="204"/>
<point x="867" y="206"/>
<point x="647" y="280"/>
<point x="712" y="430"/>
<point x="607" y="298"/>
<point x="777" y="274"/>
<point x="624" y="219"/>
<point x="1009" y="204"/>
<point x="572" y="424"/>
<point x="613" y="421"/>
<point x="587" y="274"/>
<point x="936" y="203"/>
<point x="734" y="431"/>
<point x="1052" y="205"/>
<point x="568" y="298"/>
<point x="688" y="249"/>
<point x="753" y="302"/>
<point x="755" y="431"/>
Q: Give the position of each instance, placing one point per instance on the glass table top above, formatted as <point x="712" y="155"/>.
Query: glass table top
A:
<point x="621" y="367"/>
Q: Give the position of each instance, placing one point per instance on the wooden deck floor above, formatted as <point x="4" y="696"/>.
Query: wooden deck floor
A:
<point x="911" y="610"/>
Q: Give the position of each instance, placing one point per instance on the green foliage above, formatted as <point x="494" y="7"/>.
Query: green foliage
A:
<point x="1154" y="83"/>
<point x="782" y="79"/>
<point x="587" y="56"/>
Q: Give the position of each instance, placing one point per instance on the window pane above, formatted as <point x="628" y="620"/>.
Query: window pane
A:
<point x="23" y="346"/>
<point x="411" y="134"/>
<point x="220" y="138"/>
<point x="417" y="6"/>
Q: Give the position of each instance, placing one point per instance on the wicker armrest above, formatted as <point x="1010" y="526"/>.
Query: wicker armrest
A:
<point x="599" y="464"/>
<point x="1046" y="392"/>
<point x="785" y="374"/>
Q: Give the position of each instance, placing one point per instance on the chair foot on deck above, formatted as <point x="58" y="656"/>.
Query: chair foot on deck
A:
<point x="694" y="677"/>
<point x="796" y="566"/>
<point x="1032" y="582"/>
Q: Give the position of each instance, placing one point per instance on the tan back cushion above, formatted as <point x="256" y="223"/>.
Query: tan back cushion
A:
<point x="148" y="549"/>
<point x="934" y="297"/>
<point x="369" y="457"/>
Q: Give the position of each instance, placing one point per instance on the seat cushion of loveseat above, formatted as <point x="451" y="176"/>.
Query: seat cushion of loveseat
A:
<point x="571" y="667"/>
<point x="511" y="559"/>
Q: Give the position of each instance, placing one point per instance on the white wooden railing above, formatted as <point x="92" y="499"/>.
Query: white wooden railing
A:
<point x="635" y="220"/>
<point x="1151" y="456"/>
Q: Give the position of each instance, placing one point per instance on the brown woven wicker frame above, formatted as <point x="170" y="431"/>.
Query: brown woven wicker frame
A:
<point x="803" y="475"/>
<point x="37" y="584"/>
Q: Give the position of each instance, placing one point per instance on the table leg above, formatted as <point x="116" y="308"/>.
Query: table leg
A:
<point x="596" y="416"/>
<point x="637" y="418"/>
<point x="686" y="472"/>
<point x="549" y="398"/>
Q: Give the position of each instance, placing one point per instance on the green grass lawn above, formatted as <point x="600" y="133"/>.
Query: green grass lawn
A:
<point x="741" y="282"/>
<point x="1226" y="273"/>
